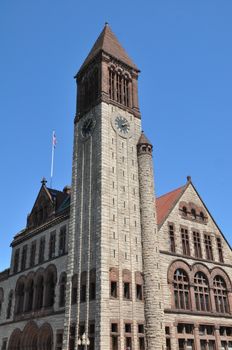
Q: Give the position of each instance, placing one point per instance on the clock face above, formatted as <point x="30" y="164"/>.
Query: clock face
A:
<point x="122" y="125"/>
<point x="88" y="127"/>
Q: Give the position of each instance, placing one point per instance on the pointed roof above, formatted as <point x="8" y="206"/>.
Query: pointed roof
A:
<point x="143" y="140"/>
<point x="165" y="203"/>
<point x="108" y="43"/>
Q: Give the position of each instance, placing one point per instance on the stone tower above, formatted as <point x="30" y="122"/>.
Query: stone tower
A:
<point x="105" y="240"/>
<point x="153" y="303"/>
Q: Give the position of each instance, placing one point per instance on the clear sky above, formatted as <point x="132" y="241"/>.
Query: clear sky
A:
<point x="184" y="51"/>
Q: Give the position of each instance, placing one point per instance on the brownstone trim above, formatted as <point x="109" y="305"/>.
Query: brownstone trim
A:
<point x="177" y="264"/>
<point x="193" y="258"/>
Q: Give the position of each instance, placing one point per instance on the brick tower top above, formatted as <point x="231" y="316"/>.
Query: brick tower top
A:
<point x="108" y="75"/>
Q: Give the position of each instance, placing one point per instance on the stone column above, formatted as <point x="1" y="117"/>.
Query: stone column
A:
<point x="154" y="314"/>
<point x="196" y="336"/>
<point x="217" y="338"/>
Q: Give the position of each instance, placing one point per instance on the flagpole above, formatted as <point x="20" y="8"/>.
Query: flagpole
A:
<point x="52" y="163"/>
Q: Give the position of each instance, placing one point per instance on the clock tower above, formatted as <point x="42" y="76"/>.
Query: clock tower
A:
<point x="106" y="258"/>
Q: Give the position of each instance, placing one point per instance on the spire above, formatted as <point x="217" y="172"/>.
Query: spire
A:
<point x="108" y="43"/>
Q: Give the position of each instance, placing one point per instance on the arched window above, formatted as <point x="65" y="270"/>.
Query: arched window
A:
<point x="63" y="280"/>
<point x="220" y="295"/>
<point x="74" y="289"/>
<point x="1" y="299"/>
<point x="181" y="290"/>
<point x="9" y="306"/>
<point x="202" y="216"/>
<point x="39" y="292"/>
<point x="184" y="210"/>
<point x="50" y="284"/>
<point x="201" y="291"/>
<point x="193" y="213"/>
<point x="119" y="86"/>
<point x="30" y="295"/>
<point x="19" y="295"/>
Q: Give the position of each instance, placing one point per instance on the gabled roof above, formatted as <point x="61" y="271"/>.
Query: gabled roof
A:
<point x="108" y="43"/>
<point x="165" y="203"/>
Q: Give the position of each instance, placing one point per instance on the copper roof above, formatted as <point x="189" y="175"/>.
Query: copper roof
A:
<point x="108" y="43"/>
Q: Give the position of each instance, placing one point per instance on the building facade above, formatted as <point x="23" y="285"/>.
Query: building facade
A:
<point x="104" y="264"/>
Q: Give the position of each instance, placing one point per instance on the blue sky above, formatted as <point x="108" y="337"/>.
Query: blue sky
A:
<point x="184" y="51"/>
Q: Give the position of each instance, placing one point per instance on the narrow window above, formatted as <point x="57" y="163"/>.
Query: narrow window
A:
<point x="113" y="289"/>
<point x="197" y="245"/>
<point x="62" y="290"/>
<point x="139" y="292"/>
<point x="114" y="336"/>
<point x="202" y="216"/>
<point x="185" y="241"/>
<point x="83" y="293"/>
<point x="126" y="290"/>
<point x="59" y="340"/>
<point x="24" y="258"/>
<point x="220" y="251"/>
<point x="184" y="211"/>
<point x="208" y="247"/>
<point x="16" y="261"/>
<point x="9" y="306"/>
<point x="193" y="213"/>
<point x="74" y="289"/>
<point x="92" y="292"/>
<point x="33" y="254"/>
<point x="62" y="240"/>
<point x="52" y="245"/>
<point x="172" y="239"/>
<point x="41" y="250"/>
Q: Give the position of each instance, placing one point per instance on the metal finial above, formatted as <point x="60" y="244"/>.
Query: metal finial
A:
<point x="189" y="179"/>
<point x="43" y="181"/>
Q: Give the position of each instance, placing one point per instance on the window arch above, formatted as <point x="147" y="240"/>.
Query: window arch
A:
<point x="220" y="295"/>
<point x="63" y="280"/>
<point x="15" y="339"/>
<point x="181" y="290"/>
<point x="201" y="292"/>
